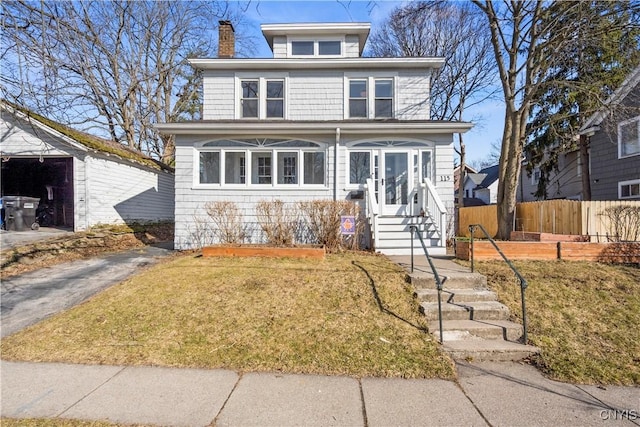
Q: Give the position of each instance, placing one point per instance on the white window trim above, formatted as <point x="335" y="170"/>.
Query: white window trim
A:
<point x="624" y="183"/>
<point x="315" y="41"/>
<point x="262" y="94"/>
<point x="248" y="152"/>
<point x="624" y="123"/>
<point x="371" y="97"/>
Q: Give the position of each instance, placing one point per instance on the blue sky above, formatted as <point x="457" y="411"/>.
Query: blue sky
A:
<point x="488" y="117"/>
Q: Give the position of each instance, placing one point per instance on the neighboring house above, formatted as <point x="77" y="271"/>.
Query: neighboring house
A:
<point x="317" y="121"/>
<point x="86" y="180"/>
<point x="482" y="185"/>
<point x="614" y="143"/>
<point x="456" y="179"/>
<point x="565" y="183"/>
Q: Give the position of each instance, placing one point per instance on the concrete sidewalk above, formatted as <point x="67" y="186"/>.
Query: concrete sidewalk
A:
<point x="497" y="394"/>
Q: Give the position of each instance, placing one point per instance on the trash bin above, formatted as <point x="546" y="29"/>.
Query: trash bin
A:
<point x="20" y="212"/>
<point x="29" y="206"/>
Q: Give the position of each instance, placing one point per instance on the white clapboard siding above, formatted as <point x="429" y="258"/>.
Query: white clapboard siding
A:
<point x="413" y="96"/>
<point x="279" y="47"/>
<point x="218" y="95"/>
<point x="352" y="47"/>
<point x="316" y="95"/>
<point x="119" y="192"/>
<point x="25" y="138"/>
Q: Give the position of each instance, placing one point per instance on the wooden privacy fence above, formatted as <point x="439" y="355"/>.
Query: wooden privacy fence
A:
<point x="586" y="218"/>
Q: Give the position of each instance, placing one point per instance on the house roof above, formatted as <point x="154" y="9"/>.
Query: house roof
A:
<point x="491" y="176"/>
<point x="361" y="29"/>
<point x="632" y="80"/>
<point x="485" y="177"/>
<point x="324" y="127"/>
<point x="81" y="140"/>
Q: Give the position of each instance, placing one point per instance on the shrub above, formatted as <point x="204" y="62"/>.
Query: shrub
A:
<point x="323" y="220"/>
<point x="228" y="225"/>
<point x="278" y="221"/>
<point x="623" y="222"/>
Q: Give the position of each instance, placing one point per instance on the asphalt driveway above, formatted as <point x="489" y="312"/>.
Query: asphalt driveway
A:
<point x="28" y="298"/>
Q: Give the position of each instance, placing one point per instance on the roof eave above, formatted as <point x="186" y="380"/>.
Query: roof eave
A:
<point x="257" y="128"/>
<point x="238" y="64"/>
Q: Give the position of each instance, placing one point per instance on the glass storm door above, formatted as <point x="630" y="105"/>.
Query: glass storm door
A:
<point x="396" y="183"/>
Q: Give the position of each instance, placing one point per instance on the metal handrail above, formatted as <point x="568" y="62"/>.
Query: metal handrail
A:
<point x="412" y="229"/>
<point x="523" y="282"/>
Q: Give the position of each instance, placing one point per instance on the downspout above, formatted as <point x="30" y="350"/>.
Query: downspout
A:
<point x="335" y="165"/>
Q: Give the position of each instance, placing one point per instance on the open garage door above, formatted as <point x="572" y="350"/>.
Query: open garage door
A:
<point x="49" y="179"/>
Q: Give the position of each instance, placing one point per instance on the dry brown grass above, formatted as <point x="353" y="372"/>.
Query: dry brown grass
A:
<point x="351" y="314"/>
<point x="60" y="422"/>
<point x="584" y="316"/>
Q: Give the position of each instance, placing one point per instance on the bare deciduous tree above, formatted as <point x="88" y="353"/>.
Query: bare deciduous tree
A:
<point x="115" y="67"/>
<point x="456" y="32"/>
<point x="529" y="41"/>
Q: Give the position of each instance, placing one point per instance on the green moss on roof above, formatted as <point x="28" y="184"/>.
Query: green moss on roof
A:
<point x="93" y="142"/>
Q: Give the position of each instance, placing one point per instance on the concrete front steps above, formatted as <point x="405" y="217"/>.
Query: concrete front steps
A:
<point x="475" y="325"/>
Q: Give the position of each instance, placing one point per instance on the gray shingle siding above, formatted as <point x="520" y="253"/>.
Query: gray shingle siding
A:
<point x="607" y="170"/>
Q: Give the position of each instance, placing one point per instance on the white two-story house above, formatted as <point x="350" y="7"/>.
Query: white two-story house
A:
<point x="318" y="121"/>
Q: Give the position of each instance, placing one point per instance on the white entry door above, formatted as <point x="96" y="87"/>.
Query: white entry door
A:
<point x="396" y="182"/>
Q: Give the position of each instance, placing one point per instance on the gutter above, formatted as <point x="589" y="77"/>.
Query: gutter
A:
<point x="335" y="165"/>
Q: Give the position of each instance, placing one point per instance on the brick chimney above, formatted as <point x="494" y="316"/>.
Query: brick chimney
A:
<point x="226" y="40"/>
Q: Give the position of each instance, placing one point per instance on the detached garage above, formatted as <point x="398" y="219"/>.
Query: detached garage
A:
<point x="83" y="179"/>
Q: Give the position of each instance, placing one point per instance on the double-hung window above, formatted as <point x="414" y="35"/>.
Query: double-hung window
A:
<point x="384" y="98"/>
<point x="262" y="98"/>
<point x="261" y="162"/>
<point x="370" y="98"/>
<point x="629" y="137"/>
<point x="250" y="99"/>
<point x="358" y="98"/>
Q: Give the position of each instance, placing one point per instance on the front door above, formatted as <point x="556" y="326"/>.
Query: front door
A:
<point x="396" y="182"/>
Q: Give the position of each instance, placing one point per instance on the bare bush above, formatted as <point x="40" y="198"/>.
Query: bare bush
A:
<point x="624" y="222"/>
<point x="278" y="221"/>
<point x="323" y="220"/>
<point x="200" y="232"/>
<point x="228" y="224"/>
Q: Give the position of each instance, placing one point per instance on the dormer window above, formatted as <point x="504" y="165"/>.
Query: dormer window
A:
<point x="331" y="48"/>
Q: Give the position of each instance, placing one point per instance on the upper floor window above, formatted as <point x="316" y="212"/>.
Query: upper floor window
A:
<point x="629" y="137"/>
<point x="364" y="104"/>
<point x="358" y="98"/>
<point x="262" y="98"/>
<point x="384" y="98"/>
<point x="316" y="48"/>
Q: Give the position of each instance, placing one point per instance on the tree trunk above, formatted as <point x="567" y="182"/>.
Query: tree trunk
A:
<point x="584" y="161"/>
<point x="510" y="164"/>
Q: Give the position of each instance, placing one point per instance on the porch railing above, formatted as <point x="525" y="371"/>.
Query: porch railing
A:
<point x="372" y="209"/>
<point x="434" y="208"/>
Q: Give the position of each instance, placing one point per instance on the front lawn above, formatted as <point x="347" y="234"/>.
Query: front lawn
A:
<point x="351" y="314"/>
<point x="584" y="316"/>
